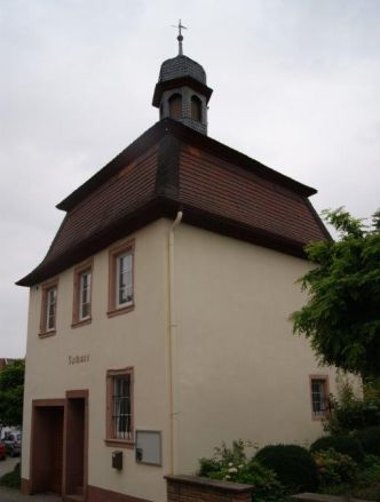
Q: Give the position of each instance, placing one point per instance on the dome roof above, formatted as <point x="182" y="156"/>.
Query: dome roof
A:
<point x="182" y="66"/>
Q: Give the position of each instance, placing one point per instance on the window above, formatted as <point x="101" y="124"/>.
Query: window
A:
<point x="175" y="106"/>
<point x="120" y="407"/>
<point x="49" y="308"/>
<point x="196" y="108"/>
<point x="319" y="396"/>
<point x="82" y="293"/>
<point x="121" y="294"/>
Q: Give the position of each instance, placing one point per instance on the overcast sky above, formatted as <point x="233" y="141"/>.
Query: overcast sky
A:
<point x="296" y="86"/>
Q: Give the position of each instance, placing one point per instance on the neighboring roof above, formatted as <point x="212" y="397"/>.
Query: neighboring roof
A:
<point x="172" y="167"/>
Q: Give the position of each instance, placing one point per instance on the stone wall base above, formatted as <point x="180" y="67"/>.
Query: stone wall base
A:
<point x="195" y="489"/>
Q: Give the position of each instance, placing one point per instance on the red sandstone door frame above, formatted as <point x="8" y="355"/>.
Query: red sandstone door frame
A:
<point x="62" y="406"/>
<point x="73" y="395"/>
<point x="45" y="405"/>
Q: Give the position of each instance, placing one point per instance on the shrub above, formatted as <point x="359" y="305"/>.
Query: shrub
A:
<point x="231" y="464"/>
<point x="12" y="479"/>
<point x="335" y="468"/>
<point x="350" y="413"/>
<point x="348" y="445"/>
<point x="369" y="439"/>
<point x="294" y="466"/>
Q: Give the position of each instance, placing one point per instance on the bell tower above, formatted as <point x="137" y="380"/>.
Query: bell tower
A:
<point x="181" y="92"/>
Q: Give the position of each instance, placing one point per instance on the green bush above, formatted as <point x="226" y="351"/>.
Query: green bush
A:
<point x="12" y="479"/>
<point x="350" y="413"/>
<point x="335" y="468"/>
<point x="348" y="445"/>
<point x="231" y="464"/>
<point x="369" y="439"/>
<point x="294" y="466"/>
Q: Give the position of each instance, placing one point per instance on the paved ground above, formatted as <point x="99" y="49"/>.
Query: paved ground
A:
<point x="9" y="495"/>
<point x="8" y="465"/>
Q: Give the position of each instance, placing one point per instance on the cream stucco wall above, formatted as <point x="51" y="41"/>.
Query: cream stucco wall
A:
<point x="240" y="371"/>
<point x="137" y="339"/>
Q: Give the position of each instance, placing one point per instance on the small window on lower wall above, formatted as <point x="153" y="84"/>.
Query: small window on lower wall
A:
<point x="120" y="407"/>
<point x="148" y="447"/>
<point x="319" y="391"/>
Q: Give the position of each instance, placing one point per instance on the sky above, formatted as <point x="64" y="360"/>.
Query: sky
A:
<point x="296" y="86"/>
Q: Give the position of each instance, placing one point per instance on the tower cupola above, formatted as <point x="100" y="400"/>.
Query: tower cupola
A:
<point x="181" y="92"/>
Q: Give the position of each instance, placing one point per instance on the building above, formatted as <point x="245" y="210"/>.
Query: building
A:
<point x="159" y="318"/>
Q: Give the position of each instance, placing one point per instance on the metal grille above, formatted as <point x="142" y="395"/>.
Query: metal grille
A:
<point x="121" y="405"/>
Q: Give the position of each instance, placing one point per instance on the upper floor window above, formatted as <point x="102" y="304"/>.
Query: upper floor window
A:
<point x="175" y="106"/>
<point x="121" y="294"/>
<point x="49" y="308"/>
<point x="196" y="108"/>
<point x="82" y="293"/>
<point x="319" y="396"/>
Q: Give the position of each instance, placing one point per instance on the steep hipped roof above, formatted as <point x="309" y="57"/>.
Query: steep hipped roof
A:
<point x="172" y="167"/>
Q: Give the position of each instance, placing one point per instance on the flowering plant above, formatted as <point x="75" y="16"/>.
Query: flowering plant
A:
<point x="231" y="464"/>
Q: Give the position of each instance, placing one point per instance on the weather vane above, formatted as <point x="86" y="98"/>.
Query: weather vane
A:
<point x="180" y="27"/>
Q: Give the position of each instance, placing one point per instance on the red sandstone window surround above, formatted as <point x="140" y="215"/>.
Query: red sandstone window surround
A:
<point x="48" y="321"/>
<point x="83" y="275"/>
<point x="120" y="419"/>
<point x="121" y="279"/>
<point x="319" y="392"/>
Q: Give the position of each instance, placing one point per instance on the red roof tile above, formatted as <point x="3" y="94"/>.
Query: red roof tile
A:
<point x="171" y="167"/>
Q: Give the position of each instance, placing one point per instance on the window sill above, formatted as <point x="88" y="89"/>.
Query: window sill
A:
<point x="319" y="418"/>
<point x="46" y="334"/>
<point x="120" y="443"/>
<point x="122" y="310"/>
<point x="77" y="324"/>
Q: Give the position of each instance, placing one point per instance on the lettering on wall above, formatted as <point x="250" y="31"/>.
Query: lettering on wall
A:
<point x="79" y="359"/>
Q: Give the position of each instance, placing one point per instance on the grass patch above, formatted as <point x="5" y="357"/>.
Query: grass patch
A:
<point x="12" y="479"/>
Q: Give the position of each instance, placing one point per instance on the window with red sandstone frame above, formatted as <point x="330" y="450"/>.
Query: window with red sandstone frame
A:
<point x="48" y="320"/>
<point x="319" y="397"/>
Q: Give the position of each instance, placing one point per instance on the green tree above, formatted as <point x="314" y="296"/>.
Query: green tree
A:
<point x="342" y="316"/>
<point x="12" y="393"/>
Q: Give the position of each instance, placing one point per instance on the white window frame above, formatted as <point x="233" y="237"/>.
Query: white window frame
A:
<point x="124" y="280"/>
<point x="319" y="396"/>
<point x="84" y="294"/>
<point x="51" y="304"/>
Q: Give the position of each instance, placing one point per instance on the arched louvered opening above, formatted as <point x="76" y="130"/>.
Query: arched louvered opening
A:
<point x="175" y="106"/>
<point x="161" y="110"/>
<point x="196" y="108"/>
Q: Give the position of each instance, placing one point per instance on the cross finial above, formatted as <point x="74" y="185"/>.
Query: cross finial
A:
<point x="180" y="27"/>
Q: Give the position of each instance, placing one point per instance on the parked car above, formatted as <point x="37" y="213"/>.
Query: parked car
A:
<point x="12" y="443"/>
<point x="3" y="453"/>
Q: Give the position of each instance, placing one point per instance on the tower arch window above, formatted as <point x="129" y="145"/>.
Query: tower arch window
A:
<point x="196" y="108"/>
<point x="175" y="106"/>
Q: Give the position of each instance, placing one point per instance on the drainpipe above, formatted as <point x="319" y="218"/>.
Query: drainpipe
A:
<point x="172" y="338"/>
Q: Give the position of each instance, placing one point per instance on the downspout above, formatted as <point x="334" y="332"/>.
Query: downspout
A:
<point x="172" y="338"/>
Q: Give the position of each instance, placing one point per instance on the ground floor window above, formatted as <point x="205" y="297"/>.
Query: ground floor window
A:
<point x="319" y="396"/>
<point x="120" y="405"/>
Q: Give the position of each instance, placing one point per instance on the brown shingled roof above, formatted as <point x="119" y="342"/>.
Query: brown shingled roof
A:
<point x="172" y="167"/>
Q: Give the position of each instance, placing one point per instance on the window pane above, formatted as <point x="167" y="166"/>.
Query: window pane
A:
<point x="122" y="414"/>
<point x="51" y="302"/>
<point x="84" y="295"/>
<point x="319" y="397"/>
<point x="124" y="291"/>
